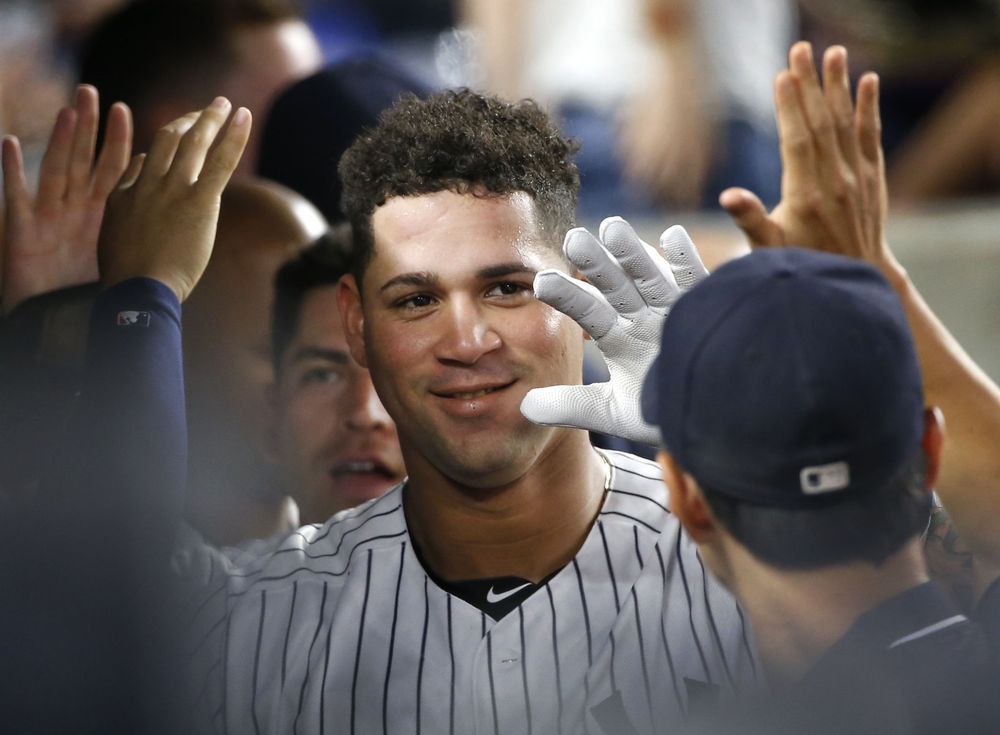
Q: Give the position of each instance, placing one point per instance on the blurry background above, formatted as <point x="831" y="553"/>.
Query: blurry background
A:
<point x="671" y="100"/>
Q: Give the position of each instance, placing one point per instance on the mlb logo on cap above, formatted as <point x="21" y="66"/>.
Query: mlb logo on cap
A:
<point x="829" y="477"/>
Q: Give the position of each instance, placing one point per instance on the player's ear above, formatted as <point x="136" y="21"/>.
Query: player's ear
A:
<point x="352" y="317"/>
<point x="933" y="442"/>
<point x="686" y="501"/>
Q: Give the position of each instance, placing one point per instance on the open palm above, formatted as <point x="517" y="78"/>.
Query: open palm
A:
<point x="51" y="241"/>
<point x="833" y="191"/>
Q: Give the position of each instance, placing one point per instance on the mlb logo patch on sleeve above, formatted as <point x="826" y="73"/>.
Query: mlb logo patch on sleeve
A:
<point x="132" y="319"/>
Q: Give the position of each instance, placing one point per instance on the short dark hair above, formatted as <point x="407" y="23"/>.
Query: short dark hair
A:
<point x="459" y="141"/>
<point x="865" y="526"/>
<point x="149" y="48"/>
<point x="322" y="263"/>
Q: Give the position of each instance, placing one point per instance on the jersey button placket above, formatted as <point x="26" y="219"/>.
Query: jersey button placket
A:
<point x="508" y="688"/>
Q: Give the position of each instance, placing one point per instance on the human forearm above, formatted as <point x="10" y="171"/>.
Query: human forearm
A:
<point x="125" y="459"/>
<point x="118" y="476"/>
<point x="969" y="484"/>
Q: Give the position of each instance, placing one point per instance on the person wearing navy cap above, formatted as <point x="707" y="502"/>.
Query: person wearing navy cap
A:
<point x="800" y="457"/>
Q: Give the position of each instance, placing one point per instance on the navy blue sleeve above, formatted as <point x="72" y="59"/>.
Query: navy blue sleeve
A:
<point x="125" y="457"/>
<point x="84" y="560"/>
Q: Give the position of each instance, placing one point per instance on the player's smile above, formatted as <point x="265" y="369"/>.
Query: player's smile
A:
<point x="464" y="393"/>
<point x="470" y="399"/>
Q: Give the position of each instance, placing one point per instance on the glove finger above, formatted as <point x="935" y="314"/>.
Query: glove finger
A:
<point x="603" y="271"/>
<point x="574" y="406"/>
<point x="682" y="255"/>
<point x="642" y="263"/>
<point x="577" y="299"/>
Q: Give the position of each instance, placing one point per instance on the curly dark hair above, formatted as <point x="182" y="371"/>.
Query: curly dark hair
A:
<point x="464" y="142"/>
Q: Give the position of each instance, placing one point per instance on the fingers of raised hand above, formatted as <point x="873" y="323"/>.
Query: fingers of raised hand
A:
<point x="165" y="142"/>
<point x="682" y="257"/>
<point x="869" y="126"/>
<point x="602" y="270"/>
<point x="223" y="160"/>
<point x="132" y="172"/>
<point x="114" y="156"/>
<point x="867" y="119"/>
<point x="183" y="148"/>
<point x="837" y="90"/>
<point x="641" y="262"/>
<point x="820" y="121"/>
<point x="52" y="175"/>
<point x="818" y="116"/>
<point x="578" y="300"/>
<point x="84" y="139"/>
<point x="15" y="187"/>
<point x="798" y="155"/>
<point x="196" y="141"/>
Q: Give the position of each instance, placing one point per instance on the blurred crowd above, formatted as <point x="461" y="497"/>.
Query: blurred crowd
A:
<point x="670" y="102"/>
<point x="670" y="98"/>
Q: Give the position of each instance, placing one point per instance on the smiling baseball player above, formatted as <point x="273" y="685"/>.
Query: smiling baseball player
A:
<point x="518" y="580"/>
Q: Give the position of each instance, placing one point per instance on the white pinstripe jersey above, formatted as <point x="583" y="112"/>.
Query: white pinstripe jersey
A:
<point x="339" y="629"/>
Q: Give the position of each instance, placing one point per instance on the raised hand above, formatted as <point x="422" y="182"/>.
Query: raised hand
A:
<point x="833" y="192"/>
<point x="161" y="221"/>
<point x="50" y="240"/>
<point x="630" y="291"/>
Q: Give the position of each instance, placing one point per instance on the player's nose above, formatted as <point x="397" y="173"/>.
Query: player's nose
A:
<point x="468" y="333"/>
<point x="363" y="409"/>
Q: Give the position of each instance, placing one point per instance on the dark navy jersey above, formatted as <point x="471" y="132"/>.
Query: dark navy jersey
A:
<point x="914" y="665"/>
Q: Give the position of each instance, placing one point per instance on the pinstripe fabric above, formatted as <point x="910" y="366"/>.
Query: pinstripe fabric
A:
<point x="338" y="629"/>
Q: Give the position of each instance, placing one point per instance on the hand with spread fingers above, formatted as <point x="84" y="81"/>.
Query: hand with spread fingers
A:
<point x="50" y="240"/>
<point x="833" y="191"/>
<point x="834" y="198"/>
<point x="629" y="291"/>
<point x="161" y="220"/>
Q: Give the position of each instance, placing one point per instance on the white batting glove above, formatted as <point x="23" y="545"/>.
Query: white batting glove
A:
<point x="630" y="291"/>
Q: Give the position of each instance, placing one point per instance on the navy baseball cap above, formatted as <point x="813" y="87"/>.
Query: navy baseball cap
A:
<point x="787" y="376"/>
<point x="312" y="123"/>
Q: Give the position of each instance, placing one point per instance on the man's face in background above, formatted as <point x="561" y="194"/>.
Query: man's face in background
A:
<point x="329" y="433"/>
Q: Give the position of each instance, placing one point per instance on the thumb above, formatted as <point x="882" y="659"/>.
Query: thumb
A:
<point x="574" y="406"/>
<point x="750" y="215"/>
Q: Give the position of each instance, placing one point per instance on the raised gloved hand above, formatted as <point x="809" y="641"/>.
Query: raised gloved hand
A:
<point x="630" y="291"/>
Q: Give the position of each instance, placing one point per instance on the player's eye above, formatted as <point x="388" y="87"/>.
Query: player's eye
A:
<point x="509" y="288"/>
<point x="320" y="376"/>
<point x="414" y="302"/>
